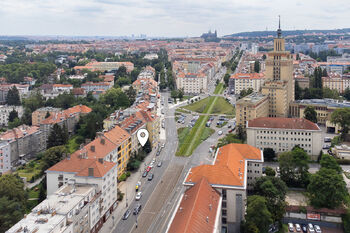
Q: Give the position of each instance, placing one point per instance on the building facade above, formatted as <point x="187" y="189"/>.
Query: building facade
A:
<point x="283" y="134"/>
<point x="250" y="107"/>
<point x="239" y="82"/>
<point x="40" y="114"/>
<point x="279" y="81"/>
<point x="5" y="113"/>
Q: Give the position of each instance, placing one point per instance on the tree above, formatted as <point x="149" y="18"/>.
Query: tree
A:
<point x="347" y="93"/>
<point x="180" y="94"/>
<point x="329" y="162"/>
<point x="26" y="117"/>
<point x="174" y="94"/>
<point x="42" y="190"/>
<point x="298" y="91"/>
<point x="324" y="73"/>
<point x="147" y="147"/>
<point x="269" y="154"/>
<point x="227" y="78"/>
<point x="131" y="93"/>
<point x="327" y="189"/>
<point x="310" y="114"/>
<point x="341" y="116"/>
<point x="274" y="190"/>
<point x="15" y="123"/>
<point x="13" y="97"/>
<point x="298" y="56"/>
<point x="269" y="171"/>
<point x="47" y="114"/>
<point x="10" y="213"/>
<point x="256" y="66"/>
<point x="57" y="137"/>
<point x="246" y="92"/>
<point x="257" y="214"/>
<point x="53" y="156"/>
<point x="330" y="94"/>
<point x="12" y="187"/>
<point x="13" y="114"/>
<point x="115" y="98"/>
<point x="241" y="133"/>
<point x="264" y="57"/>
<point x="294" y="167"/>
<point x="228" y="139"/>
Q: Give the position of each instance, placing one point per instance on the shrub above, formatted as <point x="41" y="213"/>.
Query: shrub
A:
<point x="128" y="174"/>
<point x="122" y="178"/>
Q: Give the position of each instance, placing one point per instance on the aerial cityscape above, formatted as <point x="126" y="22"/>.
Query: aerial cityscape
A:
<point x="174" y="116"/>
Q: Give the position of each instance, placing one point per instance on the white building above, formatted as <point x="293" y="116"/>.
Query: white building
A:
<point x="88" y="171"/>
<point x="5" y="112"/>
<point x="282" y="134"/>
<point x="67" y="210"/>
<point x="239" y="82"/>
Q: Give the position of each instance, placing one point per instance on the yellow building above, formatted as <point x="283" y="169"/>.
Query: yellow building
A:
<point x="153" y="127"/>
<point x="251" y="107"/>
<point x="122" y="140"/>
<point x="279" y="82"/>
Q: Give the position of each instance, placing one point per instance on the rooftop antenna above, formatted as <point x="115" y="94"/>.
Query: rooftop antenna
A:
<point x="279" y="31"/>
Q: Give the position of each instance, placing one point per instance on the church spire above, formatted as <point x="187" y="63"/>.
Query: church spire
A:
<point x="279" y="31"/>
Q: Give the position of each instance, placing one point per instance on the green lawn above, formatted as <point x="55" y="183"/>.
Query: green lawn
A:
<point x="207" y="133"/>
<point x="30" y="170"/>
<point x="221" y="106"/>
<point x="181" y="133"/>
<point x="72" y="144"/>
<point x="223" y="124"/>
<point x="219" y="88"/>
<point x="198" y="132"/>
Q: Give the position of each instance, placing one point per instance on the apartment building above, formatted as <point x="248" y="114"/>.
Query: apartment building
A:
<point x="234" y="170"/>
<point x="40" y="114"/>
<point x="106" y="66"/>
<point x="21" y="143"/>
<point x="66" y="118"/>
<point x="90" y="86"/>
<point x="23" y="90"/>
<point x="283" y="134"/>
<point x="323" y="107"/>
<point x="147" y="72"/>
<point x="336" y="81"/>
<point x="51" y="91"/>
<point x="250" y="107"/>
<point x="66" y="210"/>
<point x="5" y="113"/>
<point x="239" y="82"/>
<point x="87" y="171"/>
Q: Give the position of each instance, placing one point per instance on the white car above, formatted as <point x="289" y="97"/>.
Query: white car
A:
<point x="163" y="145"/>
<point x="318" y="229"/>
<point x="311" y="228"/>
<point x="151" y="164"/>
<point x="220" y="133"/>
<point x="138" y="196"/>
<point x="297" y="227"/>
<point x="290" y="227"/>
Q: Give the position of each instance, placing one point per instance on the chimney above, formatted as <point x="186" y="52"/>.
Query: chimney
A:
<point x="103" y="141"/>
<point x="92" y="148"/>
<point x="100" y="160"/>
<point x="91" y="171"/>
<point x="68" y="156"/>
<point x="210" y="206"/>
<point x="207" y="219"/>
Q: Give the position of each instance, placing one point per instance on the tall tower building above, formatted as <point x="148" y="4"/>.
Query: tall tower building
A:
<point x="279" y="82"/>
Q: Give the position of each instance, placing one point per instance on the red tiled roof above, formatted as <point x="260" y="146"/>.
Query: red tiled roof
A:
<point x="62" y="115"/>
<point x="197" y="211"/>
<point x="81" y="166"/>
<point x="117" y="135"/>
<point x="229" y="166"/>
<point x="282" y="123"/>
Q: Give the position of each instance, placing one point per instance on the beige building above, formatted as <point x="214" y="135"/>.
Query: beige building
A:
<point x="282" y="134"/>
<point x="342" y="151"/>
<point x="239" y="82"/>
<point x="336" y="82"/>
<point x="250" y="107"/>
<point x="279" y="82"/>
<point x="39" y="115"/>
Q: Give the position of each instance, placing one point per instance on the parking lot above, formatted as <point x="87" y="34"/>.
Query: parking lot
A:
<point x="326" y="227"/>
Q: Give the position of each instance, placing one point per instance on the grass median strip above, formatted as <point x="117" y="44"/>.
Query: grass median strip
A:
<point x="219" y="88"/>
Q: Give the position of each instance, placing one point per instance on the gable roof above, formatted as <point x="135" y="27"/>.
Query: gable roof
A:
<point x="229" y="168"/>
<point x="197" y="210"/>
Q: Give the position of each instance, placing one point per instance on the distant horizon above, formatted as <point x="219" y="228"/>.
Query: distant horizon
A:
<point x="166" y="18"/>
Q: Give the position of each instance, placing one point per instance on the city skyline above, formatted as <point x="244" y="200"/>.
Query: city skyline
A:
<point x="165" y="18"/>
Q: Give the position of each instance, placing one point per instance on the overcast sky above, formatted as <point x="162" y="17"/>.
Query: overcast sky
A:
<point x="171" y="18"/>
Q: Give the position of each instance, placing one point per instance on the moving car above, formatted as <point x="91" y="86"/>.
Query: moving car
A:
<point x="220" y="133"/>
<point x="163" y="145"/>
<point x="126" y="214"/>
<point x="159" y="164"/>
<point x="290" y="227"/>
<point x="138" y="196"/>
<point x="318" y="229"/>
<point x="137" y="209"/>
<point x="230" y="131"/>
<point x="145" y="173"/>
<point x="150" y="177"/>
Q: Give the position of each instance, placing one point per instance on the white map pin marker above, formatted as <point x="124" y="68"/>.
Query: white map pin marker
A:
<point x="142" y="136"/>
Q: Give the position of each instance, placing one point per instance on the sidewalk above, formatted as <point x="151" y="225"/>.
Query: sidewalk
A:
<point x="128" y="188"/>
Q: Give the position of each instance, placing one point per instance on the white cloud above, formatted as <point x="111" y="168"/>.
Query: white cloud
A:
<point x="166" y="17"/>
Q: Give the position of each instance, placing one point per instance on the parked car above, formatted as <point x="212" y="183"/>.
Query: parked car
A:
<point x="158" y="153"/>
<point x="311" y="228"/>
<point x="145" y="173"/>
<point x="220" y="133"/>
<point x="159" y="164"/>
<point x="230" y="131"/>
<point x="327" y="139"/>
<point x="297" y="227"/>
<point x="126" y="214"/>
<point x="318" y="229"/>
<point x="229" y="126"/>
<point x="290" y="227"/>
<point x="326" y="146"/>
<point x="150" y="177"/>
<point x="304" y="228"/>
<point x="138" y="196"/>
<point x="137" y="209"/>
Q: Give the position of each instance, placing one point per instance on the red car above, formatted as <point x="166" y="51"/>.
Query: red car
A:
<point x="148" y="168"/>
<point x="230" y="131"/>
